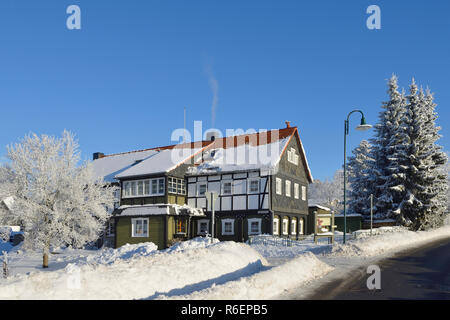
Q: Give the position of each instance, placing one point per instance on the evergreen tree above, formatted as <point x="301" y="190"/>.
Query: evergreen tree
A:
<point x="361" y="179"/>
<point x="422" y="161"/>
<point x="387" y="144"/>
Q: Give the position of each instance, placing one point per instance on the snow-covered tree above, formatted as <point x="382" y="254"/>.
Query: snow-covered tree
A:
<point x="425" y="182"/>
<point x="361" y="179"/>
<point x="328" y="192"/>
<point x="56" y="201"/>
<point x="387" y="145"/>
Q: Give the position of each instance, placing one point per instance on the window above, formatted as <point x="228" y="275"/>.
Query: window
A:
<point x="139" y="227"/>
<point x="226" y="187"/>
<point x="172" y="185"/>
<point x="300" y="226"/>
<point x="110" y="228"/>
<point x="278" y="185"/>
<point x="228" y="227"/>
<point x="296" y="190"/>
<point x="161" y="185"/>
<point x="154" y="186"/>
<point x="293" y="226"/>
<point x="180" y="226"/>
<point x="181" y="186"/>
<point x="254" y="226"/>
<point x="146" y="186"/>
<point x="140" y="188"/>
<point x="288" y="188"/>
<point x="176" y="185"/>
<point x="285" y="226"/>
<point x="303" y="193"/>
<point x="203" y="227"/>
<point x="276" y="226"/>
<point x="201" y="189"/>
<point x="253" y="185"/>
<point x="292" y="156"/>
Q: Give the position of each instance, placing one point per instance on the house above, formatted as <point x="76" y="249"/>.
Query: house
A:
<point x="152" y="204"/>
<point x="261" y="179"/>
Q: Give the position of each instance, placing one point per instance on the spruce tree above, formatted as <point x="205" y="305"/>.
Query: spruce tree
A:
<point x="361" y="179"/>
<point x="425" y="185"/>
<point x="387" y="144"/>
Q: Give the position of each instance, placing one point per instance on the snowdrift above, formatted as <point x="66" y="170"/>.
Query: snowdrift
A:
<point x="266" y="284"/>
<point x="383" y="243"/>
<point x="141" y="273"/>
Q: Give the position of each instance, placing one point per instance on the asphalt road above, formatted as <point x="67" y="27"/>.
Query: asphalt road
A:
<point x="421" y="273"/>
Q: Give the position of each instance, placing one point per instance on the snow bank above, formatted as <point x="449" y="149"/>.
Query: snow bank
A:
<point x="195" y="243"/>
<point x="128" y="251"/>
<point x="265" y="284"/>
<point x="386" y="242"/>
<point x="146" y="275"/>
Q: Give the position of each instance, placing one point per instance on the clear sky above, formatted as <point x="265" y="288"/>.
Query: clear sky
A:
<point x="122" y="81"/>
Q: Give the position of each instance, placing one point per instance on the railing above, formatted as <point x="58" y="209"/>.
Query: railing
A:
<point x="272" y="241"/>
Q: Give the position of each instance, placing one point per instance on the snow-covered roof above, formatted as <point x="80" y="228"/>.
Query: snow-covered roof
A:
<point x="160" y="162"/>
<point x="319" y="206"/>
<point x="110" y="166"/>
<point x="158" y="209"/>
<point x="254" y="151"/>
<point x="241" y="157"/>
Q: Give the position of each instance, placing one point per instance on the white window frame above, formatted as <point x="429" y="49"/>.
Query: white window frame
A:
<point x="288" y="188"/>
<point x="279" y="185"/>
<point x="222" y="188"/>
<point x="198" y="188"/>
<point x="144" y="194"/>
<point x="227" y="233"/>
<point x="276" y="230"/>
<point x="293" y="156"/>
<point x="285" y="232"/>
<point x="296" y="191"/>
<point x="303" y="193"/>
<point x="293" y="226"/>
<point x="133" y="228"/>
<point x="199" y="223"/>
<point x="249" y="221"/>
<point x="249" y="182"/>
<point x="301" y="225"/>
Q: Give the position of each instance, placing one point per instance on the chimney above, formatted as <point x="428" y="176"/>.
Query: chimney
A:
<point x="288" y="124"/>
<point x="97" y="155"/>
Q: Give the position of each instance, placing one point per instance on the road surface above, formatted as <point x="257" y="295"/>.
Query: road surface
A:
<point x="421" y="273"/>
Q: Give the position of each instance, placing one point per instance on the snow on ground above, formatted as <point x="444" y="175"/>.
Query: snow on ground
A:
<point x="198" y="269"/>
<point x="148" y="275"/>
<point x="265" y="284"/>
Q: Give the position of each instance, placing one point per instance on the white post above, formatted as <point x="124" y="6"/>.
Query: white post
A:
<point x="371" y="213"/>
<point x="212" y="219"/>
<point x="211" y="197"/>
<point x="5" y="264"/>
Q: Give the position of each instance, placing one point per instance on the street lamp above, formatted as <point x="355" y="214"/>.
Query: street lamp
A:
<point x="362" y="127"/>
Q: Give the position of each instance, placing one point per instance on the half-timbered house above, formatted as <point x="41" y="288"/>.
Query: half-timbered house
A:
<point x="262" y="181"/>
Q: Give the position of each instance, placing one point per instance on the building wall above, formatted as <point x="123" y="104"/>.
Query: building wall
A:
<point x="156" y="232"/>
<point x="295" y="174"/>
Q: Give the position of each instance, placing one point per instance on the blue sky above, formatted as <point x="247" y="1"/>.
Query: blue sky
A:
<point x="122" y="81"/>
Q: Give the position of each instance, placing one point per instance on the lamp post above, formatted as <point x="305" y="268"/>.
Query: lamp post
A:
<point x="362" y="127"/>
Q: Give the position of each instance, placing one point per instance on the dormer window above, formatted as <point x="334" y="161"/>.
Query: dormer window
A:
<point x="292" y="156"/>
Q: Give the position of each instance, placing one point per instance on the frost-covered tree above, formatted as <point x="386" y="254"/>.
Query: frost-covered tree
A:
<point x="425" y="186"/>
<point x="56" y="201"/>
<point x="328" y="192"/>
<point x="361" y="179"/>
<point x="387" y="144"/>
